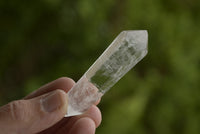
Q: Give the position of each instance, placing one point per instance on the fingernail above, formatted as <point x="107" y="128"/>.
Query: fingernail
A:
<point x="51" y="102"/>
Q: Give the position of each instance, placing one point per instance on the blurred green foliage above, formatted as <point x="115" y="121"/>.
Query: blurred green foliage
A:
<point x="43" y="40"/>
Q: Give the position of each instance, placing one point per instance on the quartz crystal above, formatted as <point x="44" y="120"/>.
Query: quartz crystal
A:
<point x="124" y="53"/>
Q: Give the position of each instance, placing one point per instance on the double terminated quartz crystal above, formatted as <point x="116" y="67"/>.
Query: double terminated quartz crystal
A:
<point x="123" y="54"/>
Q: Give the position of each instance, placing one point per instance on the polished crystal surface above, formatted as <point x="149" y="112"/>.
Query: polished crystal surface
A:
<point x="124" y="53"/>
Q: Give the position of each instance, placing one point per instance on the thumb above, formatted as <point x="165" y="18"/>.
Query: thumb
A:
<point x="33" y="115"/>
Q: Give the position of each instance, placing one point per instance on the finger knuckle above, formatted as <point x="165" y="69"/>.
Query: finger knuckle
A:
<point x="18" y="110"/>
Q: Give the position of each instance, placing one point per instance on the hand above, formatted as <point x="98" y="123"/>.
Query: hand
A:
<point x="43" y="110"/>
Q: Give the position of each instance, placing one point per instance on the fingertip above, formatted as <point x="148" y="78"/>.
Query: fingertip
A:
<point x="83" y="126"/>
<point x="95" y="114"/>
<point x="54" y="102"/>
<point x="66" y="79"/>
<point x="65" y="82"/>
<point x="53" y="107"/>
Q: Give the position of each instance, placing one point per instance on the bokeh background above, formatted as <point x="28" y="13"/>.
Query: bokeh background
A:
<point x="42" y="40"/>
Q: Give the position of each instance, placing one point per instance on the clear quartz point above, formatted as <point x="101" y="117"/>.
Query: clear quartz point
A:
<point x="128" y="48"/>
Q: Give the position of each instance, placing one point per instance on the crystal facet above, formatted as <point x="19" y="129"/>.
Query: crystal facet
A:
<point x="123" y="54"/>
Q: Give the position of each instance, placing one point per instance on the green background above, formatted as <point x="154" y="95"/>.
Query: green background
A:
<point x="42" y="40"/>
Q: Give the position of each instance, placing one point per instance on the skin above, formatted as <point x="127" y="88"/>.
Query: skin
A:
<point x="28" y="116"/>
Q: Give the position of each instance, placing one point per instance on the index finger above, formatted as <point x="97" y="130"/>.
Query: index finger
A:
<point x="63" y="83"/>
